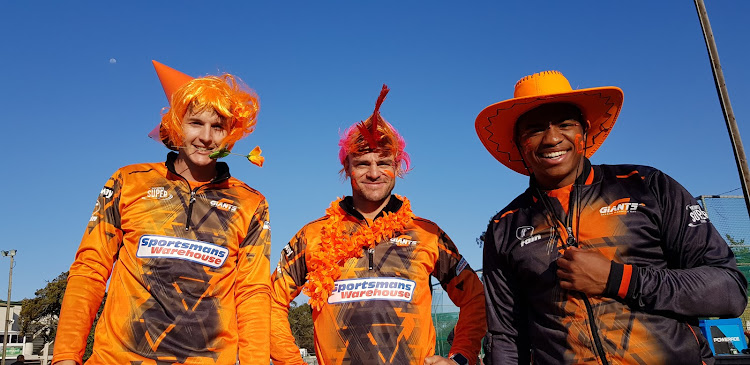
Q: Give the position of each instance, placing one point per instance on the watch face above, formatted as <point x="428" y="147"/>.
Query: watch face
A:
<point x="460" y="359"/>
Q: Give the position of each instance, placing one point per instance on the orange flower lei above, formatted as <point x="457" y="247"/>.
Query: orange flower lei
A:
<point x="339" y="245"/>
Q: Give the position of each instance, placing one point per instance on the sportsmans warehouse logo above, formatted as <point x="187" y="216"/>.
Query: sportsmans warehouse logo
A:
<point x="204" y="253"/>
<point x="355" y="290"/>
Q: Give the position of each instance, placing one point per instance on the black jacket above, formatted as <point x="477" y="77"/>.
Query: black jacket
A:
<point x="670" y="266"/>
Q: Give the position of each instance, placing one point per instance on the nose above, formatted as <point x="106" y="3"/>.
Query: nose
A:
<point x="205" y="133"/>
<point x="373" y="172"/>
<point x="552" y="136"/>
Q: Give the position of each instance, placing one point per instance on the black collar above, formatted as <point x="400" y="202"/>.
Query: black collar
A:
<point x="347" y="204"/>
<point x="580" y="180"/>
<point x="222" y="169"/>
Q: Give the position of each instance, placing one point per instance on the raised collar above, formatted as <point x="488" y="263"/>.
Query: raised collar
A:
<point x="347" y="204"/>
<point x="585" y="178"/>
<point x="222" y="169"/>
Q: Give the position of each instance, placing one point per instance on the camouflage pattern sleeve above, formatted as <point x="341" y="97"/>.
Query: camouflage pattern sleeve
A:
<point x="465" y="290"/>
<point x="89" y="273"/>
<point x="286" y="284"/>
<point x="252" y="290"/>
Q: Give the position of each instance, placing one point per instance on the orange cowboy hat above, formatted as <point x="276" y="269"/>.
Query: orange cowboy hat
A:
<point x="600" y="107"/>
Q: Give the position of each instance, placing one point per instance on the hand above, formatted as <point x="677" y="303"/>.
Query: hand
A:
<point x="582" y="270"/>
<point x="66" y="362"/>
<point x="438" y="360"/>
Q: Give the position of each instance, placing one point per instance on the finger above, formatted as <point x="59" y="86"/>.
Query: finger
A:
<point x="566" y="285"/>
<point x="563" y="263"/>
<point x="564" y="275"/>
<point x="570" y="252"/>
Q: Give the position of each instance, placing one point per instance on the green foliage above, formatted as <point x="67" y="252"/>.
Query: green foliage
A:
<point x="39" y="315"/>
<point x="90" y="339"/>
<point x="219" y="153"/>
<point x="301" y="324"/>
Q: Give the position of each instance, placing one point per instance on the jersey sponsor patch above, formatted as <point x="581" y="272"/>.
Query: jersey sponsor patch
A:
<point x="697" y="215"/>
<point x="365" y="289"/>
<point x="106" y="192"/>
<point x="462" y="264"/>
<point x="620" y="207"/>
<point x="224" y="204"/>
<point x="526" y="235"/>
<point x="403" y="240"/>
<point x="204" y="253"/>
<point x="288" y="251"/>
<point x="524" y="232"/>
<point x="158" y="193"/>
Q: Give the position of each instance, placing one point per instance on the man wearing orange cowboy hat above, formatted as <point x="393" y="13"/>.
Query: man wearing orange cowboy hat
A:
<point x="185" y="245"/>
<point x="600" y="264"/>
<point x="366" y="266"/>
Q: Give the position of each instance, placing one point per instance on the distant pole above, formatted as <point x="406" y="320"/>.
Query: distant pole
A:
<point x="726" y="106"/>
<point x="10" y="253"/>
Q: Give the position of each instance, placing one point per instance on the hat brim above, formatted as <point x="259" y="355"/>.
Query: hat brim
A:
<point x="495" y="123"/>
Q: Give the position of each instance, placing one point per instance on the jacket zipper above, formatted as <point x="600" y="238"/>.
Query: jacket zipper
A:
<point x="190" y="207"/>
<point x="370" y="252"/>
<point x="594" y="330"/>
<point x="572" y="241"/>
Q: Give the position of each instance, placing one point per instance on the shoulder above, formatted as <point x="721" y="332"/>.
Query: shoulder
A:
<point x="245" y="189"/>
<point x="522" y="201"/>
<point x="315" y="226"/>
<point x="628" y="171"/>
<point x="157" y="167"/>
<point x="425" y="224"/>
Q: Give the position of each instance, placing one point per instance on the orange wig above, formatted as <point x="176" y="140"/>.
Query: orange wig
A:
<point x="375" y="135"/>
<point x="226" y="95"/>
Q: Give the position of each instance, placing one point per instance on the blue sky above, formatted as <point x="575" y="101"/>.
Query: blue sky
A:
<point x="72" y="117"/>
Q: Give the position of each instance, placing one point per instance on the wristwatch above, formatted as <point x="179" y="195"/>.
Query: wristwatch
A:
<point x="459" y="359"/>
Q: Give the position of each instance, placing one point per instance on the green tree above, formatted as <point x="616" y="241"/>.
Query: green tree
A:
<point x="39" y="315"/>
<point x="301" y="324"/>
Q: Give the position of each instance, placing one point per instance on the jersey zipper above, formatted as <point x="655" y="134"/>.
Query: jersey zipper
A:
<point x="572" y="241"/>
<point x="594" y="330"/>
<point x="370" y="258"/>
<point x="573" y="204"/>
<point x="190" y="207"/>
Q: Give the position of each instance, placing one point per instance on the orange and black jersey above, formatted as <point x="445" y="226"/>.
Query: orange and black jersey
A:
<point x="380" y="311"/>
<point x="669" y="266"/>
<point x="189" y="272"/>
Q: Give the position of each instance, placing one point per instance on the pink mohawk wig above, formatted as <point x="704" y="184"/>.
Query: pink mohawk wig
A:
<point x="375" y="135"/>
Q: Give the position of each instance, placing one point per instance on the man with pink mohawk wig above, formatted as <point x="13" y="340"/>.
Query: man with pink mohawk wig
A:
<point x="366" y="266"/>
<point x="183" y="244"/>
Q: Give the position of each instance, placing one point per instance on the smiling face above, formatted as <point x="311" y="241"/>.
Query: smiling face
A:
<point x="373" y="177"/>
<point x="551" y="139"/>
<point x="203" y="132"/>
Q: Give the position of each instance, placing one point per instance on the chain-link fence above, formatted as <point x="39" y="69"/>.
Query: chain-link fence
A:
<point x="729" y="215"/>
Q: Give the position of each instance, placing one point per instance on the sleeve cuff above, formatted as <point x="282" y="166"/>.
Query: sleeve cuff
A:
<point x="620" y="283"/>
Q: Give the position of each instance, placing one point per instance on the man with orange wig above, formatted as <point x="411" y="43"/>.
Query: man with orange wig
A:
<point x="366" y="266"/>
<point x="185" y="245"/>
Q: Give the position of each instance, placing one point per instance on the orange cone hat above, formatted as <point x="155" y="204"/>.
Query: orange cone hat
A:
<point x="171" y="80"/>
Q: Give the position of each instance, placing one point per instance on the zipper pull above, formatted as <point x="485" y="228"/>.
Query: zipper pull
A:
<point x="571" y="241"/>
<point x="190" y="210"/>
<point x="370" y="258"/>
